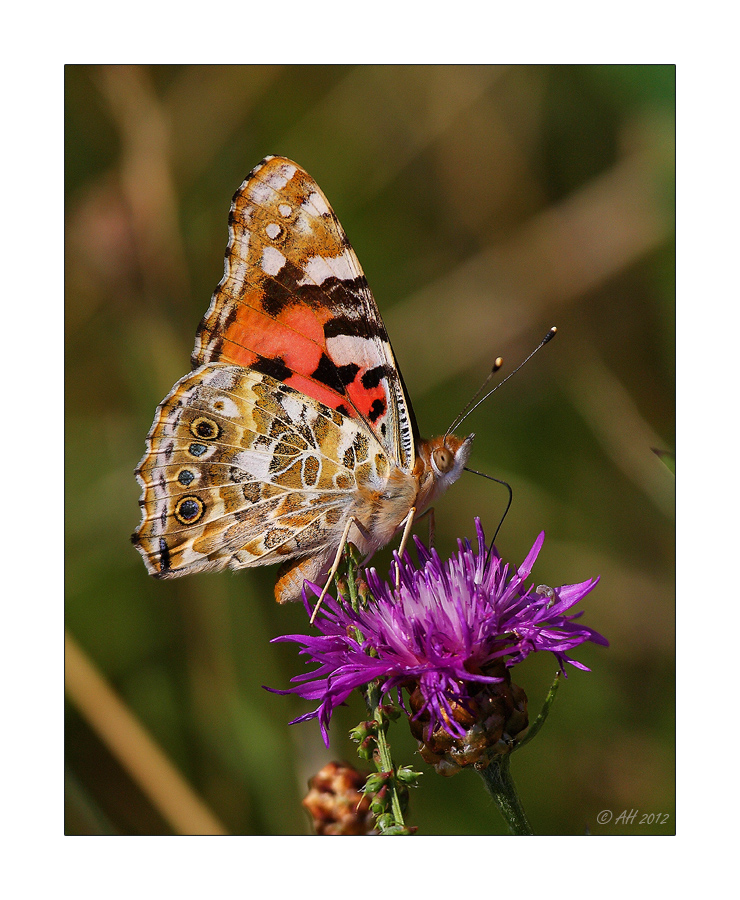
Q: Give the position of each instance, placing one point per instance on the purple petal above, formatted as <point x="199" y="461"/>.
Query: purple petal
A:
<point x="529" y="560"/>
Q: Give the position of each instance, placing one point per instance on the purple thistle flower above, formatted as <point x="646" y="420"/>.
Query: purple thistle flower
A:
<point x="440" y="633"/>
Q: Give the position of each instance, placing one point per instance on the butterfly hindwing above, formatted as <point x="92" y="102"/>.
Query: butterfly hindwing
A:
<point x="243" y="470"/>
<point x="294" y="304"/>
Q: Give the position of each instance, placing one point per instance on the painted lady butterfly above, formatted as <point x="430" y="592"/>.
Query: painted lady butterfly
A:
<point x="292" y="433"/>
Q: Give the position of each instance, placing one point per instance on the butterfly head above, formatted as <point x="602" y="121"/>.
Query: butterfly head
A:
<point x="439" y="464"/>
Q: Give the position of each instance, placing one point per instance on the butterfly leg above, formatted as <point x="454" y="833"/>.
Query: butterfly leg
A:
<point x="409" y="520"/>
<point x="432" y="524"/>
<point x="338" y="558"/>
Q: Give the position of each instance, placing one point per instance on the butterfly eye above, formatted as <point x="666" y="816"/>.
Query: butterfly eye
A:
<point x="443" y="460"/>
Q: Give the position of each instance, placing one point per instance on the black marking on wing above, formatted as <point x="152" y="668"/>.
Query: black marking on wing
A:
<point x="334" y="376"/>
<point x="371" y="378"/>
<point x="284" y="289"/>
<point x="372" y="329"/>
<point x="376" y="410"/>
<point x="164" y="557"/>
<point x="273" y="366"/>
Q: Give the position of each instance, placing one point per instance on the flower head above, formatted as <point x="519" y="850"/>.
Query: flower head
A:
<point x="336" y="801"/>
<point x="446" y="632"/>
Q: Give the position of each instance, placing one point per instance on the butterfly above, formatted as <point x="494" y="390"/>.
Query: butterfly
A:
<point x="293" y="433"/>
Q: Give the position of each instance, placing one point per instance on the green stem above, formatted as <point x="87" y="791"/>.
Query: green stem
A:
<point x="497" y="777"/>
<point x="544" y="712"/>
<point x="500" y="785"/>
<point x="385" y="761"/>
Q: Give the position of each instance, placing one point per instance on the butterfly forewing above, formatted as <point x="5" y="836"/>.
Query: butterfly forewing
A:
<point x="295" y="304"/>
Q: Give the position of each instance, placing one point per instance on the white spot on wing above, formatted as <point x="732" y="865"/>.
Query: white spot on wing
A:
<point x="281" y="176"/>
<point x="319" y="268"/>
<point x="255" y="464"/>
<point x="222" y="378"/>
<point x="272" y="261"/>
<point x="273" y="230"/>
<point x="227" y="407"/>
<point x="318" y="203"/>
<point x="237" y="257"/>
<point x="347" y="348"/>
<point x="263" y="190"/>
<point x="284" y="210"/>
<point x="260" y="192"/>
<point x="347" y="437"/>
<point x="294" y="408"/>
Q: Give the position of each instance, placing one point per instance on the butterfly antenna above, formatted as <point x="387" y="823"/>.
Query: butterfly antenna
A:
<point x="460" y="416"/>
<point x="474" y="405"/>
<point x="508" y="505"/>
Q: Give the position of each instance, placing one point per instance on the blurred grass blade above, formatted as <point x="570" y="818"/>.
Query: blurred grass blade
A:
<point x="667" y="458"/>
<point x="133" y="747"/>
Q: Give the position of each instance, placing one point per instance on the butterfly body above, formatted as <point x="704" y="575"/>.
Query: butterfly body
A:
<point x="294" y="421"/>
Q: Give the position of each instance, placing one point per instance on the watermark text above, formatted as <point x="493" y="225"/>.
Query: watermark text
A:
<point x="632" y="817"/>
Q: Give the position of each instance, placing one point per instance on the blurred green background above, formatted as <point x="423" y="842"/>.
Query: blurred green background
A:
<point x="485" y="204"/>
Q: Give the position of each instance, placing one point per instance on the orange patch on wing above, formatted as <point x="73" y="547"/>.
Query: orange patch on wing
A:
<point x="296" y="336"/>
<point x="303" y="353"/>
<point x="307" y="322"/>
<point x="363" y="397"/>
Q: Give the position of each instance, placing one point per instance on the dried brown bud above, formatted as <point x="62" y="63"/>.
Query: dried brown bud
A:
<point x="495" y="716"/>
<point x="335" y="803"/>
